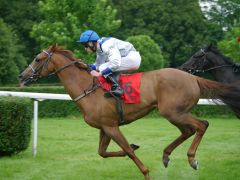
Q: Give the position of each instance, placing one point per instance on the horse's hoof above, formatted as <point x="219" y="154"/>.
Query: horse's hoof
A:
<point x="147" y="177"/>
<point x="194" y="164"/>
<point x="134" y="146"/>
<point x="166" y="162"/>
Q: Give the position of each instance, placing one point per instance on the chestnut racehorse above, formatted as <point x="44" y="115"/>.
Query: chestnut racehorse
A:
<point x="172" y="91"/>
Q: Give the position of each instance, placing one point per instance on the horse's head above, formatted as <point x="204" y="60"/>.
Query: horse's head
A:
<point x="200" y="61"/>
<point x="39" y="67"/>
<point x="43" y="65"/>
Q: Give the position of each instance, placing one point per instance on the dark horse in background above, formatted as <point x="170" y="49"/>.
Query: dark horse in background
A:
<point x="210" y="60"/>
<point x="173" y="92"/>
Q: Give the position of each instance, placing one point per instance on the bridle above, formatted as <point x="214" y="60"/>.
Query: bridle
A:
<point x="204" y="56"/>
<point x="36" y="74"/>
<point x="37" y="71"/>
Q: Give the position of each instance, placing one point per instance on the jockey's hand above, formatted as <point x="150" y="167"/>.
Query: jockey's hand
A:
<point x="95" y="73"/>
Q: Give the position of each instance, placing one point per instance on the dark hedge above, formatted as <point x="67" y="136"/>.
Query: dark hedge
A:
<point x="15" y="124"/>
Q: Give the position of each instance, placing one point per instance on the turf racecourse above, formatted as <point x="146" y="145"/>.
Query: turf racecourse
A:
<point x="67" y="150"/>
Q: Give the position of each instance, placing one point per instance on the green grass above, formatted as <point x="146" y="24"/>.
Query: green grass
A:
<point x="67" y="150"/>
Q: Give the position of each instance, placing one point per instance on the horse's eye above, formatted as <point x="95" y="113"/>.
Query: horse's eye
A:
<point x="37" y="60"/>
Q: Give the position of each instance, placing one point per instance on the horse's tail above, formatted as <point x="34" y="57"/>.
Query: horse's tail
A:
<point x="227" y="93"/>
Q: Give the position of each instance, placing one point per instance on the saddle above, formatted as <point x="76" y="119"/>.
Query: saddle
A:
<point x="130" y="84"/>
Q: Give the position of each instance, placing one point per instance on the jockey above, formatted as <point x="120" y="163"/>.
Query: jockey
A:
<point x="113" y="55"/>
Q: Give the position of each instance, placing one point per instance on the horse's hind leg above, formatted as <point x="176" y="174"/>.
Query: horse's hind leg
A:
<point x="201" y="127"/>
<point x="117" y="136"/>
<point x="104" y="141"/>
<point x="188" y="125"/>
<point x="186" y="132"/>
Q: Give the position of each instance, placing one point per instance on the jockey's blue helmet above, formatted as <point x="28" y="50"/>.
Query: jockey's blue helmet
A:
<point x="88" y="36"/>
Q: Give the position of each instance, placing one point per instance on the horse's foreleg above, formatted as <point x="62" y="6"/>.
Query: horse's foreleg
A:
<point x="201" y="127"/>
<point x="118" y="137"/>
<point x="104" y="141"/>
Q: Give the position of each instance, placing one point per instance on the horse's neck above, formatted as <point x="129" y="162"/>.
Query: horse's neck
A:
<point x="74" y="79"/>
<point x="217" y="60"/>
<point x="222" y="74"/>
<point x="226" y="75"/>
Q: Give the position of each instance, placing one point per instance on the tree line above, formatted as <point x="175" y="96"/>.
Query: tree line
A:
<point x="166" y="32"/>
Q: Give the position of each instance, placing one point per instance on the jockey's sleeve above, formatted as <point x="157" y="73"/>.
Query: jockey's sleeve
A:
<point x="114" y="58"/>
<point x="100" y="60"/>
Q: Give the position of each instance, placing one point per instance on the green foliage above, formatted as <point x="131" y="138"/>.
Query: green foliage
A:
<point x="230" y="44"/>
<point x="15" y="123"/>
<point x="224" y="13"/>
<point x="184" y="30"/>
<point x="177" y="26"/>
<point x="212" y="111"/>
<point x="21" y="15"/>
<point x="150" y="52"/>
<point x="10" y="59"/>
<point x="64" y="21"/>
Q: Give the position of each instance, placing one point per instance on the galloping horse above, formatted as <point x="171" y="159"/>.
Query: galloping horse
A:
<point x="210" y="60"/>
<point x="172" y="91"/>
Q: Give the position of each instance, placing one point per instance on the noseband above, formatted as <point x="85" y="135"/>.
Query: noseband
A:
<point x="36" y="71"/>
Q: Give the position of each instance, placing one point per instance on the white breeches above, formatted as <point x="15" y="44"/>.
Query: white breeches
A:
<point x="131" y="62"/>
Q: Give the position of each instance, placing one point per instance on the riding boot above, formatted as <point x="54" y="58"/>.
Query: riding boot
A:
<point x="116" y="88"/>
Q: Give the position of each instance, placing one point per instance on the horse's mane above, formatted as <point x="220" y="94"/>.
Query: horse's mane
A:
<point x="67" y="53"/>
<point x="216" y="51"/>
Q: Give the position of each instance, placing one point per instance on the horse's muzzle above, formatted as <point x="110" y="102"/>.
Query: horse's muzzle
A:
<point x="24" y="81"/>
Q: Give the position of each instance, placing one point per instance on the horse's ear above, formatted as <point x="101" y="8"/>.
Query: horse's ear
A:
<point x="209" y="47"/>
<point x="53" y="47"/>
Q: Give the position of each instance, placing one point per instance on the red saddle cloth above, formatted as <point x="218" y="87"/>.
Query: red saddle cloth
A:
<point x="130" y="84"/>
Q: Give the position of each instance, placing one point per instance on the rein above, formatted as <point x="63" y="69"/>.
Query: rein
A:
<point x="209" y="69"/>
<point x="62" y="68"/>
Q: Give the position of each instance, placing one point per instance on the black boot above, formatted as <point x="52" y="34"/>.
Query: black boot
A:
<point x="116" y="88"/>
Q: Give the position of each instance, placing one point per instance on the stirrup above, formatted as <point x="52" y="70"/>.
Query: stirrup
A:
<point x="116" y="92"/>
